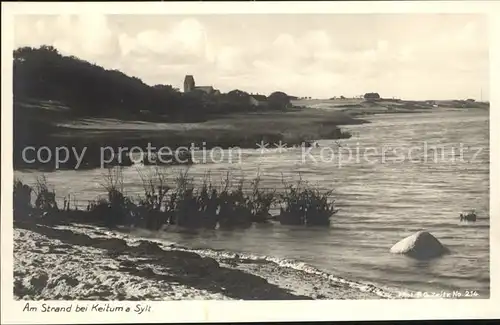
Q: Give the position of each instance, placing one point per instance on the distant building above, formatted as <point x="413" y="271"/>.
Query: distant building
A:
<point x="258" y="101"/>
<point x="190" y="85"/>
<point x="371" y="96"/>
<point x="207" y="89"/>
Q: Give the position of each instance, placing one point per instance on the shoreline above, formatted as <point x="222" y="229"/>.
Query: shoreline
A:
<point x="158" y="271"/>
<point x="39" y="129"/>
<point x="182" y="154"/>
<point x="260" y="267"/>
<point x="300" y="126"/>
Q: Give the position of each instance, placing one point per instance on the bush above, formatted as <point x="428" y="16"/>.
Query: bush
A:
<point x="261" y="201"/>
<point x="279" y="100"/>
<point x="67" y="203"/>
<point x="117" y="209"/>
<point x="234" y="206"/>
<point x="372" y="96"/>
<point x="305" y="206"/>
<point x="207" y="203"/>
<point x="182" y="202"/>
<point x="155" y="190"/>
<point x="22" y="198"/>
<point x="227" y="207"/>
<point x="45" y="198"/>
<point x="186" y="205"/>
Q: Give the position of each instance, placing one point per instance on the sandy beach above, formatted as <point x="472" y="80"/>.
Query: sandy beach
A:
<point x="91" y="263"/>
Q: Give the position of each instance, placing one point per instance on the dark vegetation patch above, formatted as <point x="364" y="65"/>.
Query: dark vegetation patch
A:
<point x="180" y="203"/>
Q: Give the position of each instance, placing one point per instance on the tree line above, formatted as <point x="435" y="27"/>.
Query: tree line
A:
<point x="91" y="90"/>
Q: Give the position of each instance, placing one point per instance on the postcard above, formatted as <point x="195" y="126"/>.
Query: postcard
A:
<point x="210" y="161"/>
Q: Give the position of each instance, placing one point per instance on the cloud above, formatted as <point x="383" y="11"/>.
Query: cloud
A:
<point x="392" y="54"/>
<point x="88" y="36"/>
<point x="230" y="61"/>
<point x="313" y="58"/>
<point x="316" y="41"/>
<point x="185" y="43"/>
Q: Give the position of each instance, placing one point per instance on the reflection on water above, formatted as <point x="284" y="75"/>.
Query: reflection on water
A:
<point x="381" y="201"/>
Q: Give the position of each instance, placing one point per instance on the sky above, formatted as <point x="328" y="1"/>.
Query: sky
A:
<point x="409" y="56"/>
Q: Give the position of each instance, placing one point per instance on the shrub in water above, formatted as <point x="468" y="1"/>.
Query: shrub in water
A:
<point x="22" y="198"/>
<point x="187" y="210"/>
<point x="182" y="201"/>
<point x="260" y="202"/>
<point x="193" y="208"/>
<point x="305" y="206"/>
<point x="207" y="202"/>
<point x="188" y="206"/>
<point x="152" y="211"/>
<point x="294" y="212"/>
<point x="318" y="208"/>
<point x="228" y="207"/>
<point x="234" y="209"/>
<point x="99" y="210"/>
<point x="45" y="198"/>
<point x="67" y="203"/>
<point x="118" y="208"/>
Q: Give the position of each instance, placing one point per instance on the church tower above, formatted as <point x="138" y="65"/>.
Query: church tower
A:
<point x="189" y="83"/>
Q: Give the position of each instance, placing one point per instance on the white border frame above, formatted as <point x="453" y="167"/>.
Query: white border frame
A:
<point x="247" y="311"/>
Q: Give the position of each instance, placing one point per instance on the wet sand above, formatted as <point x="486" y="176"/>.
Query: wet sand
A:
<point x="87" y="263"/>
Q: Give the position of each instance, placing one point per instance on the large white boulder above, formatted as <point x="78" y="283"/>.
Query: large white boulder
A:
<point x="420" y="245"/>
